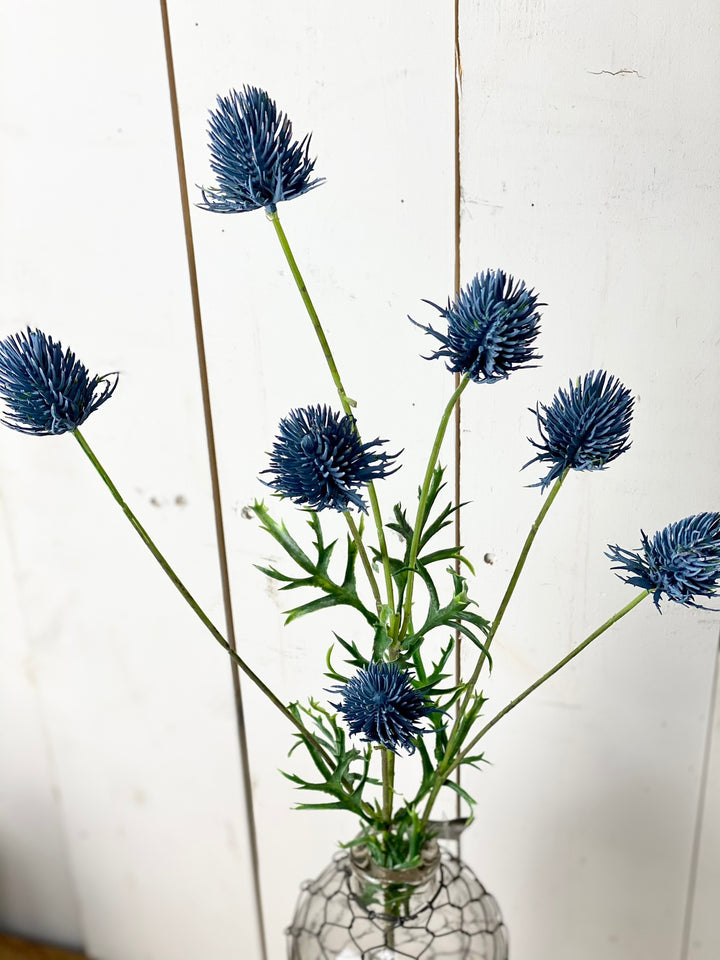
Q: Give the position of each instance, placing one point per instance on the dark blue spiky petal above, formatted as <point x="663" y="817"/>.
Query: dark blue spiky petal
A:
<point x="492" y="326"/>
<point x="381" y="704"/>
<point x="584" y="427"/>
<point x="254" y="156"/>
<point x="682" y="561"/>
<point x="320" y="462"/>
<point x="46" y="390"/>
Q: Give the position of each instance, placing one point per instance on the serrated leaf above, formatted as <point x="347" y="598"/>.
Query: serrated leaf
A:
<point x="280" y="533"/>
<point x="344" y="594"/>
<point x="349" y="582"/>
<point x="456" y="788"/>
<point x="449" y="553"/>
<point x="331" y="672"/>
<point x="434" y="600"/>
<point x="324" y="552"/>
<point x="401" y="525"/>
<point x="428" y="769"/>
<point x="272" y="572"/>
<point x="322" y="603"/>
<point x="323" y="806"/>
<point x="473" y="761"/>
<point x="444" y="519"/>
<point x="356" y="658"/>
<point x="381" y="642"/>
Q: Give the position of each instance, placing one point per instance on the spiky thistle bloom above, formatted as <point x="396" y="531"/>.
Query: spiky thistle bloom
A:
<point x="320" y="462"/>
<point x="46" y="390"/>
<point x="381" y="703"/>
<point x="682" y="561"/>
<point x="584" y="427"/>
<point x="254" y="156"/>
<point x="492" y="325"/>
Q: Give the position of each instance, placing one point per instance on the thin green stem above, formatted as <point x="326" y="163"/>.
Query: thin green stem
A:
<point x="370" y="573"/>
<point x="345" y="401"/>
<point x="454" y="739"/>
<point x="149" y="543"/>
<point x="422" y="505"/>
<point x="510" y="589"/>
<point x="553" y="670"/>
<point x="382" y="544"/>
<point x="445" y="770"/>
<point x="388" y="777"/>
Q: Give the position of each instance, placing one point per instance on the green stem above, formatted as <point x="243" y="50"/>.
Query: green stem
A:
<point x="443" y="774"/>
<point x="145" y="537"/>
<point x="364" y="558"/>
<point x="345" y="401"/>
<point x="510" y="589"/>
<point x="388" y="776"/>
<point x="553" y="670"/>
<point x="382" y="544"/>
<point x="422" y="504"/>
<point x="454" y="739"/>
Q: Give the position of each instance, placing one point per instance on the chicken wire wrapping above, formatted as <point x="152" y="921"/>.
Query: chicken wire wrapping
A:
<point x="342" y="915"/>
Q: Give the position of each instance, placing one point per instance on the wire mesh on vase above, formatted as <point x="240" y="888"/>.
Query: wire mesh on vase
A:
<point x="356" y="910"/>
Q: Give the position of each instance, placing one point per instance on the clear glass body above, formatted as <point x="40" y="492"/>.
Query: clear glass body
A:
<point x="351" y="912"/>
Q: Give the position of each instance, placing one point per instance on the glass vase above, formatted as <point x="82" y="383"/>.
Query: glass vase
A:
<point x="356" y="910"/>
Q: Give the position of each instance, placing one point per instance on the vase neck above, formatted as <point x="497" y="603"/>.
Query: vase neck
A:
<point x="414" y="887"/>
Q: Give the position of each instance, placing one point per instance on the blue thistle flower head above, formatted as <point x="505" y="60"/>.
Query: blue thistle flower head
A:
<point x="381" y="703"/>
<point x="254" y="156"/>
<point x="46" y="390"/>
<point x="584" y="427"/>
<point x="492" y="325"/>
<point x="320" y="462"/>
<point x="682" y="561"/>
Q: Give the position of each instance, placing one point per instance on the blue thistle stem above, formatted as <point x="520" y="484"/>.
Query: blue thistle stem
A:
<point x="150" y="544"/>
<point x="422" y="505"/>
<point x="446" y="768"/>
<point x="346" y="402"/>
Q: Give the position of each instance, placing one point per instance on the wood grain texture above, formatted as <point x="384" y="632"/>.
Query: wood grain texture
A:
<point x="13" y="948"/>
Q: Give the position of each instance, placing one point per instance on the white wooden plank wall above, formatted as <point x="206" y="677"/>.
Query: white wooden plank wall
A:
<point x="701" y="933"/>
<point x="588" y="158"/>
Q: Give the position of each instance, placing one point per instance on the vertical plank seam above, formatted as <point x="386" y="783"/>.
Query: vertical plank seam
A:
<point x="700" y="812"/>
<point x="457" y="84"/>
<point x="215" y="482"/>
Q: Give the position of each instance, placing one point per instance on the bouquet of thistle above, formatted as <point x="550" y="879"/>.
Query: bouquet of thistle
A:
<point x="393" y="694"/>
